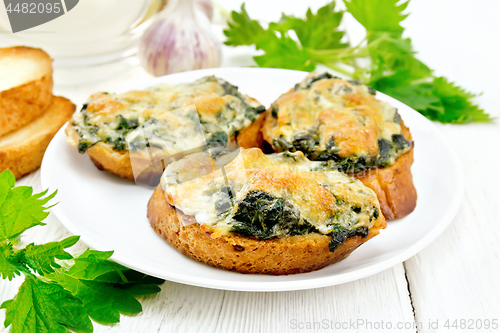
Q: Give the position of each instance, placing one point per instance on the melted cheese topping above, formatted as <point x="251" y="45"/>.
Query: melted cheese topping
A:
<point x="108" y="118"/>
<point x="337" y="115"/>
<point x="326" y="199"/>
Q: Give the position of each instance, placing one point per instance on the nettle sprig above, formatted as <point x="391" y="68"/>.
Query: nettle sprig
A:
<point x="385" y="59"/>
<point x="60" y="292"/>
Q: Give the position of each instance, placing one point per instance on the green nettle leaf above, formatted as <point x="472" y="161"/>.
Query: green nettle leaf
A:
<point x="456" y="102"/>
<point x="95" y="266"/>
<point x="275" y="47"/>
<point x="19" y="208"/>
<point x="105" y="301"/>
<point x="387" y="59"/>
<point x="317" y="31"/>
<point x="417" y="96"/>
<point x="8" y="179"/>
<point x="9" y="266"/>
<point x="58" y="297"/>
<point x="41" y="307"/>
<point x="243" y="30"/>
<point x="41" y="258"/>
<point x="378" y="15"/>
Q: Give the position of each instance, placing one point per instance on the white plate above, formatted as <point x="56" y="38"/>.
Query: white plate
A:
<point x="109" y="213"/>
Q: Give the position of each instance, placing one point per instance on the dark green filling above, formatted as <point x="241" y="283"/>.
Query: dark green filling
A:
<point x="340" y="235"/>
<point x="250" y="112"/>
<point x="308" y="143"/>
<point x="260" y="213"/>
<point x="118" y="143"/>
<point x="274" y="110"/>
<point x="311" y="81"/>
<point x="126" y="125"/>
<point x="263" y="216"/>
<point x="217" y="139"/>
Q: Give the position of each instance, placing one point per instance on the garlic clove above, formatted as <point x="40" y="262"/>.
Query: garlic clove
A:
<point x="207" y="7"/>
<point x="179" y="40"/>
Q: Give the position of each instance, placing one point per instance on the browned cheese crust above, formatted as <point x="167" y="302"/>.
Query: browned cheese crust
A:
<point x="393" y="184"/>
<point x="22" y="151"/>
<point x="105" y="158"/>
<point x="277" y="256"/>
<point x="22" y="104"/>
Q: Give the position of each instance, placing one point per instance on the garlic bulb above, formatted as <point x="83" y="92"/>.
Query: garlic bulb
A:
<point x="179" y="40"/>
<point x="206" y="7"/>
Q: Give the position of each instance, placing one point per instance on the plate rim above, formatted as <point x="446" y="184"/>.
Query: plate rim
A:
<point x="271" y="286"/>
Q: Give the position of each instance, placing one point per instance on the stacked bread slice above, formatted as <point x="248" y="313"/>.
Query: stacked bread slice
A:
<point x="30" y="115"/>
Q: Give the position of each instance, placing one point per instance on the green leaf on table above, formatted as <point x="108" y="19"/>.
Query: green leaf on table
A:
<point x="417" y="96"/>
<point x="9" y="266"/>
<point x="456" y="102"/>
<point x="105" y="301"/>
<point x="243" y="30"/>
<point x="20" y="209"/>
<point x="437" y="99"/>
<point x="317" y="31"/>
<point x="45" y="307"/>
<point x="283" y="52"/>
<point x="378" y="15"/>
<point x="41" y="258"/>
<point x="7" y="178"/>
<point x="94" y="266"/>
<point x="105" y="288"/>
<point x="394" y="56"/>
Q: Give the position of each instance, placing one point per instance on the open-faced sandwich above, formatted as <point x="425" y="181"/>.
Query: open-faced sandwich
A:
<point x="225" y="116"/>
<point x="254" y="213"/>
<point x="342" y="124"/>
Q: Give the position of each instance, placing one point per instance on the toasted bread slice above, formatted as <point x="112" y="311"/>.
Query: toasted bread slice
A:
<point x="277" y="256"/>
<point x="276" y="216"/>
<point x="393" y="184"/>
<point x="25" y="86"/>
<point x="22" y="151"/>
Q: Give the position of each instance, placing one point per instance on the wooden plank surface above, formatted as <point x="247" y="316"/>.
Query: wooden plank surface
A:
<point x="457" y="276"/>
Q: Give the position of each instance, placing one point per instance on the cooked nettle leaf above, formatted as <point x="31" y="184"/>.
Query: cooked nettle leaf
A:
<point x="60" y="292"/>
<point x="388" y="63"/>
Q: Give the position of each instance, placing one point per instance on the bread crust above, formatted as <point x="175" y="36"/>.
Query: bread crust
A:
<point x="105" y="158"/>
<point x="393" y="184"/>
<point x="278" y="256"/>
<point x="22" y="104"/>
<point x="22" y="151"/>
